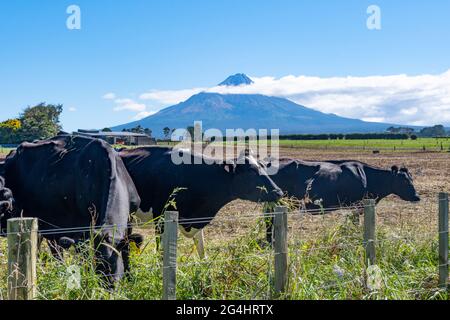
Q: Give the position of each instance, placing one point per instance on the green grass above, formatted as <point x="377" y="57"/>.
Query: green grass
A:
<point x="421" y="144"/>
<point x="429" y="144"/>
<point x="329" y="267"/>
<point x="5" y="151"/>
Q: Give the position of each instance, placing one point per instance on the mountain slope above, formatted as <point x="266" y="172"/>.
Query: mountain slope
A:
<point x="232" y="111"/>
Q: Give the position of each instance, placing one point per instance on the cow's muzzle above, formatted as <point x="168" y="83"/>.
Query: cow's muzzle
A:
<point x="274" y="195"/>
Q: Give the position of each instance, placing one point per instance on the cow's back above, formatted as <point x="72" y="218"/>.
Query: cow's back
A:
<point x="293" y="175"/>
<point x="158" y="180"/>
<point x="69" y="181"/>
<point x="338" y="184"/>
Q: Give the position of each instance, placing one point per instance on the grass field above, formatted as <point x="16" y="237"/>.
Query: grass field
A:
<point x="329" y="267"/>
<point x="4" y="152"/>
<point x="326" y="257"/>
<point x="419" y="144"/>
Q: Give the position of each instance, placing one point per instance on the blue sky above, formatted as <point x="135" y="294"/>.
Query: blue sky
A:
<point x="133" y="47"/>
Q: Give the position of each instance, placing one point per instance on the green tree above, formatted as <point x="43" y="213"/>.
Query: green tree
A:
<point x="432" y="132"/>
<point x="166" y="131"/>
<point x="191" y="131"/>
<point x="138" y="129"/>
<point x="148" y="132"/>
<point x="106" y="130"/>
<point x="9" y="131"/>
<point x="40" y="122"/>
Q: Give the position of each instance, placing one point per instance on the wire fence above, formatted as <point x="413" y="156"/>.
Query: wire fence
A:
<point x="325" y="250"/>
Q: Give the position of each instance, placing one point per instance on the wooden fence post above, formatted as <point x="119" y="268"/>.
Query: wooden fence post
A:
<point x="369" y="231"/>
<point x="22" y="255"/>
<point x="280" y="230"/>
<point x="443" y="240"/>
<point x="170" y="241"/>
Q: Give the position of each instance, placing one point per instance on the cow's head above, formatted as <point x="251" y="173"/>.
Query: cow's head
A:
<point x="113" y="255"/>
<point x="6" y="205"/>
<point x="403" y="185"/>
<point x="109" y="258"/>
<point x="251" y="181"/>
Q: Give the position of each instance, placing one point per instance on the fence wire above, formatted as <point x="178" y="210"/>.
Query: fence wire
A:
<point x="311" y="236"/>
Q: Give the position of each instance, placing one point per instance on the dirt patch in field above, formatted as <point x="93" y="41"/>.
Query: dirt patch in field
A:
<point x="430" y="171"/>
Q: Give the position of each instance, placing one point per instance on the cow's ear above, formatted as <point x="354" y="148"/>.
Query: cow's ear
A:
<point x="404" y="170"/>
<point x="394" y="169"/>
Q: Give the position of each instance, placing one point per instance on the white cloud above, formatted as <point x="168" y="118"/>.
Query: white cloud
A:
<point x="109" y="96"/>
<point x="129" y="105"/>
<point x="140" y="110"/>
<point x="143" y="114"/>
<point x="72" y="109"/>
<point x="402" y="99"/>
<point x="374" y="119"/>
<point x="170" y="97"/>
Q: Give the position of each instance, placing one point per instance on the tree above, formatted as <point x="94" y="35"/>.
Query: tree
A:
<point x="431" y="132"/>
<point x="9" y="131"/>
<point x="191" y="131"/>
<point x="402" y="130"/>
<point x="148" y="132"/>
<point x="138" y="129"/>
<point x="106" y="130"/>
<point x="166" y="131"/>
<point x="40" y="122"/>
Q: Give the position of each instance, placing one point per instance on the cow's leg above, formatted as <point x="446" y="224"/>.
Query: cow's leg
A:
<point x="159" y="230"/>
<point x="268" y="219"/>
<point x="39" y="243"/>
<point x="198" y="237"/>
<point x="199" y="240"/>
<point x="355" y="216"/>
<point x="269" y="230"/>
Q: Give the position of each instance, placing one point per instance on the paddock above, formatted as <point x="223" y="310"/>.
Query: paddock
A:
<point x="326" y="253"/>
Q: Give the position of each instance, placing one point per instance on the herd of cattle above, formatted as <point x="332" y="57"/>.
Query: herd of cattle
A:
<point x="72" y="183"/>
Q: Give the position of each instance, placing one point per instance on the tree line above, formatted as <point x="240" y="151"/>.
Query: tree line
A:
<point x="34" y="123"/>
<point x="436" y="131"/>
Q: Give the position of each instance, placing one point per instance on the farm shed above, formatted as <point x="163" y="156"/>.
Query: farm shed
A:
<point x="124" y="138"/>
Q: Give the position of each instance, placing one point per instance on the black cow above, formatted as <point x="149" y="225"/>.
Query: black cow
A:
<point x="75" y="182"/>
<point x="206" y="188"/>
<point x="6" y="201"/>
<point x="334" y="184"/>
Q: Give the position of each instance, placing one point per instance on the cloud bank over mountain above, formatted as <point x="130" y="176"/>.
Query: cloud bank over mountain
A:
<point x="415" y="100"/>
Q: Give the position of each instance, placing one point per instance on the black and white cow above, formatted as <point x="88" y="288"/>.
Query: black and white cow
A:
<point x="335" y="184"/>
<point x="205" y="188"/>
<point x="75" y="182"/>
<point x="6" y="202"/>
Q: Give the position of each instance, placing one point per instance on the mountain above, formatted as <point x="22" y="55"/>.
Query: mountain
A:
<point x="238" y="79"/>
<point x="233" y="111"/>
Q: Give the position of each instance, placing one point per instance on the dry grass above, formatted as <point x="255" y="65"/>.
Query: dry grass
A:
<point x="430" y="172"/>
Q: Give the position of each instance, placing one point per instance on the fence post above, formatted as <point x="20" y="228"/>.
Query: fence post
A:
<point x="369" y="231"/>
<point x="280" y="229"/>
<point x="443" y="240"/>
<point x="22" y="255"/>
<point x="170" y="239"/>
